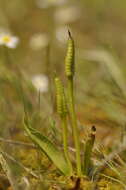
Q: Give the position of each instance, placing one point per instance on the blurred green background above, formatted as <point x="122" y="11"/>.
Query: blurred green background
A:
<point x="98" y="28"/>
<point x="99" y="31"/>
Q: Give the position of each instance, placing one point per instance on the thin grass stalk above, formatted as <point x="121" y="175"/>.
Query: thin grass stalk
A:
<point x="6" y="166"/>
<point x="48" y="71"/>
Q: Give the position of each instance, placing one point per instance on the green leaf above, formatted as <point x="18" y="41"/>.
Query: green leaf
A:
<point x="48" y="148"/>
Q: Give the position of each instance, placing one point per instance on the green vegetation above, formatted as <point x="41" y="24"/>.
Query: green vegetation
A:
<point x="62" y="95"/>
<point x="62" y="107"/>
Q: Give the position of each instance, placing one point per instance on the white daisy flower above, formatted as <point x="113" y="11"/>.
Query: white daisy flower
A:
<point x="8" y="40"/>
<point x="40" y="82"/>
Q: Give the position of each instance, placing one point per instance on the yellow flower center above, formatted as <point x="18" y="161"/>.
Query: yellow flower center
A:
<point x="6" y="39"/>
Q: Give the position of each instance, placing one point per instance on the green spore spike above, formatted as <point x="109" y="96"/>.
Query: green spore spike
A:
<point x="60" y="98"/>
<point x="69" y="60"/>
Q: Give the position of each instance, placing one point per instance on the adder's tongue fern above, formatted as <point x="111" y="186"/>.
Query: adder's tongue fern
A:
<point x="70" y="71"/>
<point x="62" y="111"/>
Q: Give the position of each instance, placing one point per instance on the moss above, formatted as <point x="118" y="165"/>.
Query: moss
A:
<point x="83" y="183"/>
<point x="108" y="185"/>
<point x="72" y="183"/>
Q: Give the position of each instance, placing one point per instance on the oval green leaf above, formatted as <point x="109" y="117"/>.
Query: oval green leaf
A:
<point x="48" y="148"/>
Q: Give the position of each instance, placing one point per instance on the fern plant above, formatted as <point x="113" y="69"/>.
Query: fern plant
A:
<point x="65" y="110"/>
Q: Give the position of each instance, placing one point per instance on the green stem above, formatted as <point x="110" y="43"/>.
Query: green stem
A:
<point x="74" y="124"/>
<point x="65" y="142"/>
